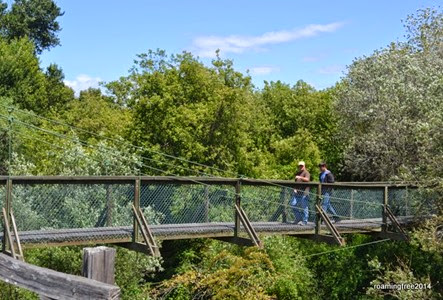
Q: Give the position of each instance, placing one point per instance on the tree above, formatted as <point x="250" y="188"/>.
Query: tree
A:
<point x="231" y="272"/>
<point x="391" y="107"/>
<point x="183" y="108"/>
<point x="35" y="19"/>
<point x="303" y="126"/>
<point x="20" y="76"/>
<point x="22" y="80"/>
<point x="58" y="94"/>
<point x="95" y="114"/>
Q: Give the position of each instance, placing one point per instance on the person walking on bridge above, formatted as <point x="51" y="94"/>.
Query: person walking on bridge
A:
<point x="326" y="176"/>
<point x="300" y="199"/>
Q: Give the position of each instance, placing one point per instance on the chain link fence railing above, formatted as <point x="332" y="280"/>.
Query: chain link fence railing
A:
<point x="412" y="201"/>
<point x="277" y="203"/>
<point x="269" y="203"/>
<point x="49" y="207"/>
<point x="187" y="203"/>
<point x="91" y="211"/>
<point x="352" y="203"/>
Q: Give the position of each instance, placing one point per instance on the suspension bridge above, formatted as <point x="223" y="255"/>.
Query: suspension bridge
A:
<point x="138" y="212"/>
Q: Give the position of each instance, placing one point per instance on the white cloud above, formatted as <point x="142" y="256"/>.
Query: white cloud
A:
<point x="83" y="82"/>
<point x="263" y="70"/>
<point x="207" y="45"/>
<point x="332" y="69"/>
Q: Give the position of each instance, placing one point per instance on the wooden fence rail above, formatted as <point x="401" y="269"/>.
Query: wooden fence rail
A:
<point x="52" y="284"/>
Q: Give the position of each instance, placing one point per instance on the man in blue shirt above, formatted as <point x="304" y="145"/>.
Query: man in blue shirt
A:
<point x="327" y="177"/>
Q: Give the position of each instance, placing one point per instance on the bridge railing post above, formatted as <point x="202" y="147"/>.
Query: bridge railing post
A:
<point x="317" y="214"/>
<point x="135" y="232"/>
<point x="109" y="205"/>
<point x="206" y="196"/>
<point x="238" y="203"/>
<point x="8" y="205"/>
<point x="384" y="226"/>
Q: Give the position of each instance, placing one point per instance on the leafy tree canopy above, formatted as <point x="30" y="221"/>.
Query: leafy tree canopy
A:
<point x="391" y="106"/>
<point x="35" y="19"/>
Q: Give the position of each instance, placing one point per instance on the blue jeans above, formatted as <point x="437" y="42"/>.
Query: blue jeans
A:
<point x="326" y="205"/>
<point x="299" y="204"/>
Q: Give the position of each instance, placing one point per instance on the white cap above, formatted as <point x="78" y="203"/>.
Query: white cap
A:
<point x="301" y="163"/>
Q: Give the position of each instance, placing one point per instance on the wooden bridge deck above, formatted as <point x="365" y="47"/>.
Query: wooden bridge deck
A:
<point x="123" y="234"/>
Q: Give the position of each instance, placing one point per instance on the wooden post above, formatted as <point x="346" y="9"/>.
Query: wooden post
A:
<point x="206" y="195"/>
<point x="351" y="211"/>
<point x="109" y="205"/>
<point x="50" y="284"/>
<point x="98" y="264"/>
<point x="238" y="203"/>
<point x="137" y="206"/>
<point x="8" y="205"/>
<point x="384" y="226"/>
<point x="317" y="215"/>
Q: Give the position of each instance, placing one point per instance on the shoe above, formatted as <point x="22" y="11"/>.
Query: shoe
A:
<point x="337" y="219"/>
<point x="301" y="223"/>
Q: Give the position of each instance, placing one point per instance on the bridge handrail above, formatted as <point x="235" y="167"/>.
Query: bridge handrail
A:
<point x="185" y="180"/>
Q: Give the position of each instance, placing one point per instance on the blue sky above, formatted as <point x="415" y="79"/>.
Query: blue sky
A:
<point x="275" y="40"/>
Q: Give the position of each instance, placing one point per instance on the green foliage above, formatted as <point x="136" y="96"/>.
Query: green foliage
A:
<point x="400" y="274"/>
<point x="35" y="19"/>
<point x="289" y="151"/>
<point x="20" y="76"/>
<point x="429" y="235"/>
<point x="22" y="80"/>
<point x="96" y="114"/>
<point x="231" y="272"/>
<point x="182" y="108"/>
<point x="57" y="93"/>
<point x="392" y="101"/>
<point x="382" y="121"/>
<point x="304" y="127"/>
<point x="133" y="270"/>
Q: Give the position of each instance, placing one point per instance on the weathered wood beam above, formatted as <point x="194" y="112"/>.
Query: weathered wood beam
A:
<point x="53" y="284"/>
<point x="99" y="264"/>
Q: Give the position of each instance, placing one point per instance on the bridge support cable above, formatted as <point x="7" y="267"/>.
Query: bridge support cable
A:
<point x="335" y="234"/>
<point x="146" y="232"/>
<point x="11" y="238"/>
